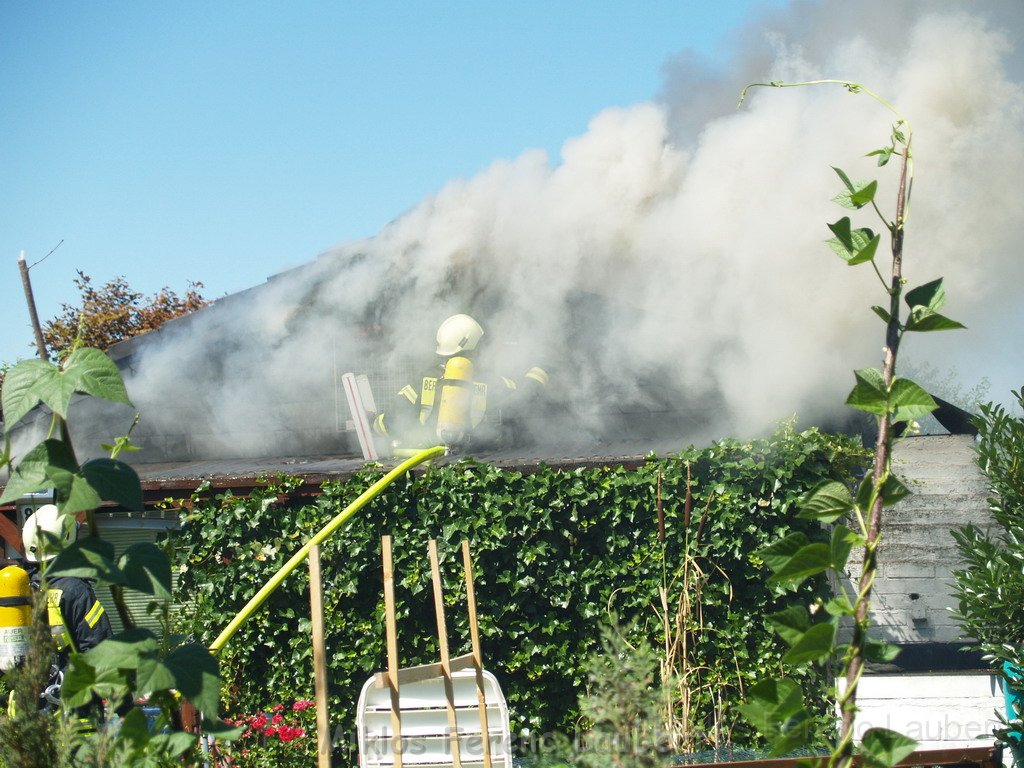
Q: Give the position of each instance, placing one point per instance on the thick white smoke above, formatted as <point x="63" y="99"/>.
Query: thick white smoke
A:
<point x="674" y="247"/>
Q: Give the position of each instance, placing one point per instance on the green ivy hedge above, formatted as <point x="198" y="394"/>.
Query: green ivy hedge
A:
<point x="555" y="551"/>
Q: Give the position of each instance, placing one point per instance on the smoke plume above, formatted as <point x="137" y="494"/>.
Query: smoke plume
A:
<point x="672" y="258"/>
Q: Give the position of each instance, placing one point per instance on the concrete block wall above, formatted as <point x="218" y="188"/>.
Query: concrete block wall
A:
<point x="912" y="592"/>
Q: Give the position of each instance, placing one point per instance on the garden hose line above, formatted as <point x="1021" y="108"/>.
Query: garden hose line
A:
<point x="364" y="498"/>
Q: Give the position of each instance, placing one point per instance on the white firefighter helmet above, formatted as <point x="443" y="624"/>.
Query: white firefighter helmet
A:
<point x="459" y="333"/>
<point x="47" y="519"/>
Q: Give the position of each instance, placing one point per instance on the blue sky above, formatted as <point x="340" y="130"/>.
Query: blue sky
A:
<point x="224" y="142"/>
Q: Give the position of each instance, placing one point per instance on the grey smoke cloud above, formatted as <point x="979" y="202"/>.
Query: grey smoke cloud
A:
<point x="692" y="231"/>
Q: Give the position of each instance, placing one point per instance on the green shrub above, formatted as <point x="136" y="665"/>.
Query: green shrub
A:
<point x="555" y="552"/>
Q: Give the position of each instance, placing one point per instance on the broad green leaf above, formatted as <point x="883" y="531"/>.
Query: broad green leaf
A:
<point x="930" y="296"/>
<point x="843" y="540"/>
<point x="83" y="682"/>
<point x="790" y="623"/>
<point x="841" y="229"/>
<point x="777" y="554"/>
<point x="176" y="743"/>
<point x="222" y="730"/>
<point x="883" y="155"/>
<point x="923" y="320"/>
<point x="864" y="195"/>
<point x="827" y="503"/>
<point x="114" y="481"/>
<point x="80" y="497"/>
<point x="122" y="651"/>
<point x="48" y="465"/>
<point x="808" y="561"/>
<point x="88" y="558"/>
<point x="909" y="401"/>
<point x="91" y="372"/>
<point x="19" y="396"/>
<point x="865" y="489"/>
<point x="893" y="490"/>
<point x="55" y="390"/>
<point x="869" y="393"/>
<point x="776" y="709"/>
<point x="881" y="653"/>
<point x="845" y="179"/>
<point x="867" y="253"/>
<point x="843" y="199"/>
<point x="815" y="644"/>
<point x="154" y="675"/>
<point x="882" y="748"/>
<point x="839" y="606"/>
<point x="134" y="729"/>
<point x="146" y="569"/>
<point x="195" y="675"/>
<point x="882" y="313"/>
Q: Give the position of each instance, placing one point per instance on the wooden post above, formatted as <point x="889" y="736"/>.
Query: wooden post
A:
<point x="391" y="628"/>
<point x="26" y="284"/>
<point x="316" y="606"/>
<point x="446" y="669"/>
<point x="474" y="634"/>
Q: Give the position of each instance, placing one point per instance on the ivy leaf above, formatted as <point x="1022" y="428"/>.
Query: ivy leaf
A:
<point x="790" y="623"/>
<point x="869" y="394"/>
<point x="91" y="372"/>
<point x="882" y="748"/>
<point x="909" y="401"/>
<point x="827" y="503"/>
<point x="815" y="644"/>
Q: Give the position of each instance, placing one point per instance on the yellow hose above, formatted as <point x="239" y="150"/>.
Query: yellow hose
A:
<point x="364" y="498"/>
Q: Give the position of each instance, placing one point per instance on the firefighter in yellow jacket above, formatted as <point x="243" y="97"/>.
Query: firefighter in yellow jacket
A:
<point x="447" y="408"/>
<point x="77" y="619"/>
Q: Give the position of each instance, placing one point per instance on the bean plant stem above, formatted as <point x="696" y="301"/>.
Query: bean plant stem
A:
<point x="843" y="756"/>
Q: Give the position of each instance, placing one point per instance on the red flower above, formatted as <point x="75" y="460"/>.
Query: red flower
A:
<point x="277" y="719"/>
<point x="302" y="705"/>
<point x="278" y="707"/>
<point x="259" y="721"/>
<point x="270" y="731"/>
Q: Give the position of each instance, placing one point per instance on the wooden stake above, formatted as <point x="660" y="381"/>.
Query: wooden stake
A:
<point x="446" y="669"/>
<point x="391" y="628"/>
<point x="474" y="634"/>
<point x="316" y="609"/>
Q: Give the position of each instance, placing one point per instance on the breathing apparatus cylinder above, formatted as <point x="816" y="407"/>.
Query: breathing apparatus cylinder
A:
<point x="455" y="404"/>
<point x="15" y="616"/>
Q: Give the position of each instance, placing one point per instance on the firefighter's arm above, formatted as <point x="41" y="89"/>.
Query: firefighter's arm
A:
<point x="525" y="388"/>
<point x="85" y="618"/>
<point x="402" y="414"/>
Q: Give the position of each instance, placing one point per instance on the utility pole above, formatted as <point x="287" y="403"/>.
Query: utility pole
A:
<point x="27" y="285"/>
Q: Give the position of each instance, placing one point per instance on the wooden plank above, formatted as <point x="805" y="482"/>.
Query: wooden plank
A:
<point x="478" y="664"/>
<point x="952" y="756"/>
<point x="391" y="629"/>
<point x="446" y="668"/>
<point x="316" y="610"/>
<point x="423" y="672"/>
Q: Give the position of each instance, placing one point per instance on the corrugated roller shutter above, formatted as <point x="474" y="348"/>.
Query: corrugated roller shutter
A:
<point x="122" y="533"/>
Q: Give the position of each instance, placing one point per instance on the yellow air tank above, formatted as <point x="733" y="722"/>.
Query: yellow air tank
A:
<point x="455" y="405"/>
<point x="15" y="616"/>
